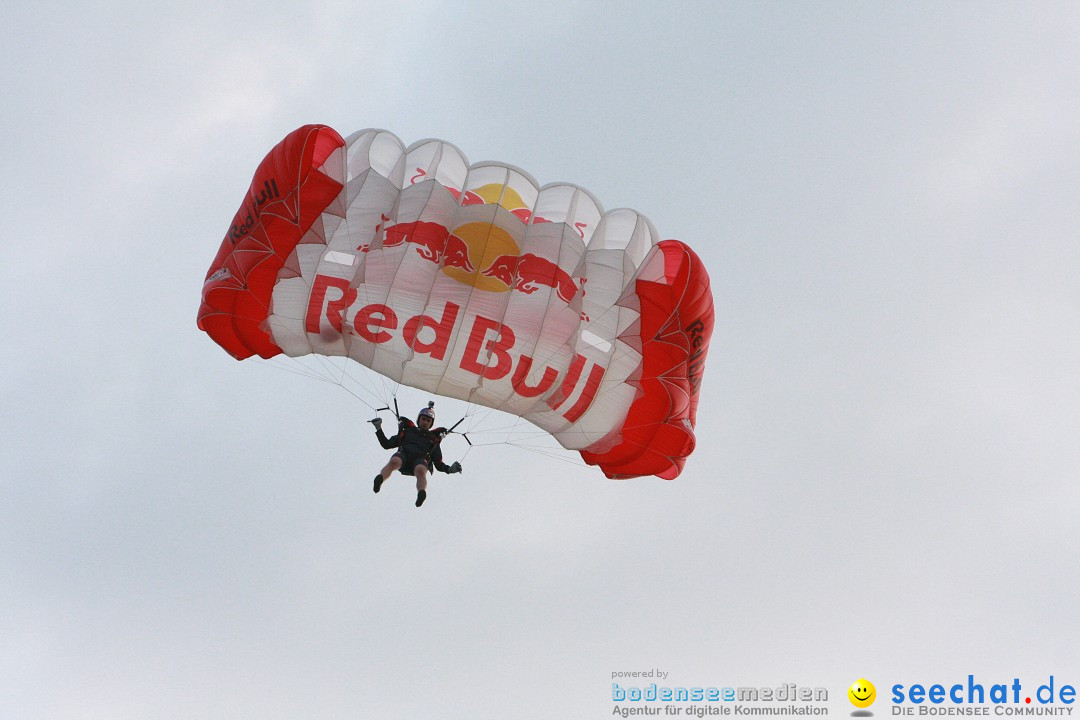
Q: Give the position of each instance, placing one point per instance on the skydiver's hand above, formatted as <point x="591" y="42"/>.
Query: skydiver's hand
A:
<point x="377" y="422"/>
<point x="455" y="468"/>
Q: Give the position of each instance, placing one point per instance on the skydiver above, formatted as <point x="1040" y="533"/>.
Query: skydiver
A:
<point x="418" y="450"/>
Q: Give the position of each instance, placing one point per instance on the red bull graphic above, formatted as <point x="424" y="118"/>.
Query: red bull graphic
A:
<point x="488" y="350"/>
<point x="504" y="268"/>
<point x="456" y="254"/>
<point x="433" y="242"/>
<point x="468" y="197"/>
<point x="494" y="194"/>
<point x="461" y="251"/>
<point x="528" y="272"/>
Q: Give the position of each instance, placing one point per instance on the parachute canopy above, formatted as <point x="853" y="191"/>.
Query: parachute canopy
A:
<point x="470" y="281"/>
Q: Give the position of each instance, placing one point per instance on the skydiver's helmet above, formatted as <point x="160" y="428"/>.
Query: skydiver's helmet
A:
<point x="428" y="412"/>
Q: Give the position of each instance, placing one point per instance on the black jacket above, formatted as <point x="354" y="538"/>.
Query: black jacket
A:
<point x="416" y="443"/>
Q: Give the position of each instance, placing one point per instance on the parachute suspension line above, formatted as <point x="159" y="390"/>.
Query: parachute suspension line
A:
<point x="326" y="372"/>
<point x="479" y="416"/>
<point x="357" y="381"/>
<point x="330" y="370"/>
<point x="575" y="461"/>
<point x="512" y="430"/>
<point x="553" y="453"/>
<point x="514" y="435"/>
<point x="390" y="388"/>
<point x="296" y="367"/>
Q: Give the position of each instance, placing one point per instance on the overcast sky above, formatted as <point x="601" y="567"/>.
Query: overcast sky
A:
<point x="885" y="196"/>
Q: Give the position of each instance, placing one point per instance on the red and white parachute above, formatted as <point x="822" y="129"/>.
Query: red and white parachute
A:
<point x="473" y="282"/>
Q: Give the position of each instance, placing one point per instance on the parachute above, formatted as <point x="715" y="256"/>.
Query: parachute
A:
<point x="473" y="282"/>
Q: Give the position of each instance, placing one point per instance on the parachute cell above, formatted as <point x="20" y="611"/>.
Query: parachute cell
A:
<point x="474" y="282"/>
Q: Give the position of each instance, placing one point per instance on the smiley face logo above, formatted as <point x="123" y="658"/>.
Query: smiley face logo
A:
<point x="862" y="693"/>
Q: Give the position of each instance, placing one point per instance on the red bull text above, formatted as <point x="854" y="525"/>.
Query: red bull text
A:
<point x="332" y="299"/>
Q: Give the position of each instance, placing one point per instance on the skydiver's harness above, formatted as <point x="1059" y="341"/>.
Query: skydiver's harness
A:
<point x="441" y="432"/>
<point x="403" y="426"/>
<point x="410" y="458"/>
<point x="421" y="450"/>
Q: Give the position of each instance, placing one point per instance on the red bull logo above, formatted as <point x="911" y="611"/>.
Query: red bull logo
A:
<point x="482" y="254"/>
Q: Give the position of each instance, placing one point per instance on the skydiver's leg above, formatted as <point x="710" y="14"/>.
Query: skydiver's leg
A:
<point x="421" y="473"/>
<point x="384" y="474"/>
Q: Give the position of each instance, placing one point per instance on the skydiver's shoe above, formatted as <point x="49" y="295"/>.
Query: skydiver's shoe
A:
<point x="421" y="496"/>
<point x="378" y="482"/>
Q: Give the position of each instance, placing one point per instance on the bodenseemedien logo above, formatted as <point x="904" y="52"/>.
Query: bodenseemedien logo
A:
<point x="701" y="701"/>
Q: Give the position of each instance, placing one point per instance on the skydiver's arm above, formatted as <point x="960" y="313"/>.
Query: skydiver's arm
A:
<point x="387" y="443"/>
<point x="437" y="461"/>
